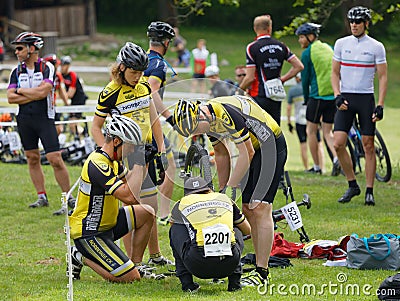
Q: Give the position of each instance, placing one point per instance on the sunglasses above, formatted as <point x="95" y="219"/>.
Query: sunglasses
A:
<point x="19" y="48"/>
<point x="357" y="21"/>
<point x="240" y="75"/>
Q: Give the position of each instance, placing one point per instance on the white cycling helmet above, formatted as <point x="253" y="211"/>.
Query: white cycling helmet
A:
<point x="211" y="70"/>
<point x="124" y="128"/>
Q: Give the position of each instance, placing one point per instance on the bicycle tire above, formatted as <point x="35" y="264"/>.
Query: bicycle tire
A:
<point x="383" y="165"/>
<point x="197" y="163"/>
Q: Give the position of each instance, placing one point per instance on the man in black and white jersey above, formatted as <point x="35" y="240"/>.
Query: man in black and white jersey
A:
<point x="31" y="87"/>
<point x="356" y="59"/>
<point x="264" y="61"/>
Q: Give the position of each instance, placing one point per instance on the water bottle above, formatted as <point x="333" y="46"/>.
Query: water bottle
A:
<point x="352" y="133"/>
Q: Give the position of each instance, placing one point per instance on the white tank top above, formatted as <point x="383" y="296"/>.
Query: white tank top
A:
<point x="358" y="59"/>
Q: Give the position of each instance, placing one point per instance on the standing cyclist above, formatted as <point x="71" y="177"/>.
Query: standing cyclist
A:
<point x="31" y="87"/>
<point x="356" y="58"/>
<point x="160" y="35"/>
<point x="127" y="94"/>
<point x="264" y="62"/>
<point x="259" y="166"/>
<point x="318" y="92"/>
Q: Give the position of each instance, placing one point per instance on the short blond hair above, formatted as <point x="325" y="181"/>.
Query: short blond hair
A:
<point x="262" y="23"/>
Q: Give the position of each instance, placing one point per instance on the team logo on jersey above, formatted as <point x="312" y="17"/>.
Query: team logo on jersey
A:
<point x="227" y="120"/>
<point x="104" y="168"/>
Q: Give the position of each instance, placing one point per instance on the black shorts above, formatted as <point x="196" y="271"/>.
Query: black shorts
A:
<point x="301" y="130"/>
<point x="190" y="259"/>
<point x="101" y="248"/>
<point x="318" y="107"/>
<point x="361" y="104"/>
<point x="31" y="128"/>
<point x="253" y="182"/>
<point x="198" y="75"/>
<point x="272" y="107"/>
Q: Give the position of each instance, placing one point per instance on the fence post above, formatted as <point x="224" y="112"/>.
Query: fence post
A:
<point x="50" y="42"/>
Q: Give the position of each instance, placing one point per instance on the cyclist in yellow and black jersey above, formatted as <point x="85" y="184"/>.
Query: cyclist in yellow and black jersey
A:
<point x="207" y="231"/>
<point x="259" y="166"/>
<point x="129" y="95"/>
<point x="97" y="221"/>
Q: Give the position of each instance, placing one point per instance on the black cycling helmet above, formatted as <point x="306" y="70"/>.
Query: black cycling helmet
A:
<point x="359" y="13"/>
<point x="29" y="38"/>
<point x="160" y="30"/>
<point x="308" y="28"/>
<point x="133" y="56"/>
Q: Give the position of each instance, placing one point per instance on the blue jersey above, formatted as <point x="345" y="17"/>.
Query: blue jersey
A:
<point x="157" y="69"/>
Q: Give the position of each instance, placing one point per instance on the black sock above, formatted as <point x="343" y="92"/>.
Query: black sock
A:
<point x="369" y="190"/>
<point x="263" y="272"/>
<point x="353" y="184"/>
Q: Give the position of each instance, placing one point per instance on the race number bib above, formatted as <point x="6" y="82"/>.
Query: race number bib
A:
<point x="217" y="240"/>
<point x="274" y="89"/>
<point x="293" y="216"/>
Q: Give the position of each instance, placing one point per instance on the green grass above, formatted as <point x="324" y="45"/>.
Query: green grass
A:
<point x="32" y="254"/>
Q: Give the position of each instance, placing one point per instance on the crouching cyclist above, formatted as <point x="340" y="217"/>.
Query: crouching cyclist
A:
<point x="206" y="236"/>
<point x="259" y="165"/>
<point x="97" y="220"/>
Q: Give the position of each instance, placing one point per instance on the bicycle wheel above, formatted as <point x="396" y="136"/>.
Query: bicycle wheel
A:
<point x="383" y="165"/>
<point x="197" y="163"/>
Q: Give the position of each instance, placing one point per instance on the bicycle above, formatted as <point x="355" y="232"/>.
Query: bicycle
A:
<point x="356" y="151"/>
<point x="383" y="165"/>
<point x="197" y="163"/>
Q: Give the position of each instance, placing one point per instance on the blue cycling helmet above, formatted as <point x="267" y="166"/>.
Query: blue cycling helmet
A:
<point x="308" y="28"/>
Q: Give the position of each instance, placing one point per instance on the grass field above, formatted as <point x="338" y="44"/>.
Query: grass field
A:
<point x="32" y="254"/>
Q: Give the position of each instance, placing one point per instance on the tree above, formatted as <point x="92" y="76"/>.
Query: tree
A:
<point x="320" y="11"/>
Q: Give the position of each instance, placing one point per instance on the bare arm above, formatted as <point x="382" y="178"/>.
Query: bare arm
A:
<point x="249" y="78"/>
<point x="63" y="94"/>
<point x="223" y="162"/>
<point x="297" y="66"/>
<point x="156" y="128"/>
<point x="381" y="70"/>
<point x="96" y="132"/>
<point x="246" y="153"/>
<point x="335" y="77"/>
<point x="129" y="193"/>
<point x="161" y="108"/>
<point x="26" y="95"/>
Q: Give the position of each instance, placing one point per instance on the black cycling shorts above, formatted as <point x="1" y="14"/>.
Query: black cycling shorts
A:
<point x="301" y="130"/>
<point x="361" y="104"/>
<point x="31" y="128"/>
<point x="250" y="180"/>
<point x="190" y="259"/>
<point x="319" y="107"/>
<point x="272" y="107"/>
<point x="101" y="248"/>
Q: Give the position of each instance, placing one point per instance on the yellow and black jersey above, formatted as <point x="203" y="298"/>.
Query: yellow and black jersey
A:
<point x="131" y="102"/>
<point x="240" y="118"/>
<point x="96" y="208"/>
<point x="203" y="211"/>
